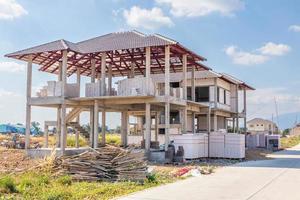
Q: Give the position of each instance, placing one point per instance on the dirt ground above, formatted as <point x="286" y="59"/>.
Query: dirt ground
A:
<point x="15" y="160"/>
<point x="257" y="154"/>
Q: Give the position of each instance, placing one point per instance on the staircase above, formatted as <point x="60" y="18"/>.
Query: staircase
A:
<point x="76" y="126"/>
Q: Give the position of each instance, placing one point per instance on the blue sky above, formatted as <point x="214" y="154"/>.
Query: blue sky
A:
<point x="256" y="41"/>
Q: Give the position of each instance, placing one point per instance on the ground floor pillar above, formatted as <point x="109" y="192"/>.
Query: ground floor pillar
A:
<point x="28" y="124"/>
<point x="63" y="138"/>
<point x="96" y="124"/>
<point x="148" y="127"/>
<point x="58" y="127"/>
<point x="103" y="128"/>
<point x="167" y="125"/>
<point x="91" y="127"/>
<point x="46" y="128"/>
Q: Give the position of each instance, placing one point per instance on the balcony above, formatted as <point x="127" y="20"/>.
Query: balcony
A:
<point x="54" y="89"/>
<point x="127" y="87"/>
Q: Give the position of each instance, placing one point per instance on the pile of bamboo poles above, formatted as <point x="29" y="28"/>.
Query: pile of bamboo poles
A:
<point x="104" y="164"/>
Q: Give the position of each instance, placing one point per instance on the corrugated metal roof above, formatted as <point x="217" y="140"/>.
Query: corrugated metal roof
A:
<point x="104" y="43"/>
<point x="57" y="45"/>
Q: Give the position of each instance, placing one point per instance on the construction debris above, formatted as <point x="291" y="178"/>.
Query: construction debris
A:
<point x="104" y="164"/>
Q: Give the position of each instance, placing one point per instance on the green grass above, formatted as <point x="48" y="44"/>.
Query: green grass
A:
<point x="113" y="139"/>
<point x="43" y="186"/>
<point x="71" y="141"/>
<point x="288" y="142"/>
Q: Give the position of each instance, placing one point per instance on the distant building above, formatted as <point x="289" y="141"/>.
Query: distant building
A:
<point x="258" y="125"/>
<point x="295" y="130"/>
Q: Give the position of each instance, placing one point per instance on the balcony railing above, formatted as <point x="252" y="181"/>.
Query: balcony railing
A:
<point x="54" y="89"/>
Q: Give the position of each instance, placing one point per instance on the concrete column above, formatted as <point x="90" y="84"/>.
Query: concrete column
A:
<point x="63" y="138"/>
<point x="193" y="122"/>
<point x="103" y="74"/>
<point x="215" y="93"/>
<point x="110" y="79"/>
<point x="93" y="67"/>
<point x="193" y="84"/>
<point x="209" y="121"/>
<point x="103" y="128"/>
<point x="184" y="121"/>
<point x="59" y="77"/>
<point x="215" y="123"/>
<point x="28" y="106"/>
<point x="58" y="127"/>
<point x="63" y="106"/>
<point x="124" y="128"/>
<point x="92" y="127"/>
<point x="184" y="75"/>
<point x="156" y="125"/>
<point x="132" y="68"/>
<point x="96" y="123"/>
<point x="167" y="96"/>
<point x="245" y="110"/>
<point x="148" y="71"/>
<point x="148" y="128"/>
<point x="77" y="139"/>
<point x="237" y="109"/>
<point x="46" y="135"/>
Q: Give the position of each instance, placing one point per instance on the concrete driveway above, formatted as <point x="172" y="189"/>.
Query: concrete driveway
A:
<point x="274" y="179"/>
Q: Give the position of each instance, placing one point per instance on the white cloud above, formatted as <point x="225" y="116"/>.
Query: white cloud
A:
<point x="244" y="58"/>
<point x="5" y="93"/>
<point x="11" y="66"/>
<point x="195" y="8"/>
<point x="10" y="9"/>
<point x="295" y="28"/>
<point x="149" y="19"/>
<point x="261" y="102"/>
<point x="273" y="49"/>
<point x="258" y="56"/>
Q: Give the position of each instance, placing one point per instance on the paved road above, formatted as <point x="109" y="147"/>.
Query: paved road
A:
<point x="275" y="179"/>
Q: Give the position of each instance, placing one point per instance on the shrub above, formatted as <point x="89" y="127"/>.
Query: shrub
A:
<point x="8" y="185"/>
<point x="152" y="178"/>
<point x="71" y="141"/>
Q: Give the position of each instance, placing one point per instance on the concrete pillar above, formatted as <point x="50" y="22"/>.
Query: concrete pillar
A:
<point x="46" y="135"/>
<point x="215" y="122"/>
<point x="132" y="68"/>
<point x="193" y="84"/>
<point x="103" y="74"/>
<point x="193" y="122"/>
<point x="63" y="138"/>
<point x="167" y="96"/>
<point x="92" y="127"/>
<point x="124" y="128"/>
<point x="28" y="106"/>
<point x="93" y="67"/>
<point x="96" y="124"/>
<point x="103" y="128"/>
<point x="245" y="110"/>
<point x="148" y="70"/>
<point x="110" y="79"/>
<point x="184" y="75"/>
<point x="148" y="127"/>
<point x="184" y="121"/>
<point x="156" y="125"/>
<point x="76" y="138"/>
<point x="58" y="127"/>
<point x="63" y="106"/>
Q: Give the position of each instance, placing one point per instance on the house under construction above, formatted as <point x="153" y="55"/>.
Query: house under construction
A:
<point x="165" y="86"/>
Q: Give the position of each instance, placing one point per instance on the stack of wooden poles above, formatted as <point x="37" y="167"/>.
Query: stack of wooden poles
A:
<point x="104" y="164"/>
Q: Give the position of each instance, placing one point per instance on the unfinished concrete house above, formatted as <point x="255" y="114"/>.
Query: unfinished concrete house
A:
<point x="170" y="95"/>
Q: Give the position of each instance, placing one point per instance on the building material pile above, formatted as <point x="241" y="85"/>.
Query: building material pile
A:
<point x="104" y="164"/>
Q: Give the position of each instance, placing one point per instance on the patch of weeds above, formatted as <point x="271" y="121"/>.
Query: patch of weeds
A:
<point x="7" y="185"/>
<point x="64" y="180"/>
<point x="152" y="178"/>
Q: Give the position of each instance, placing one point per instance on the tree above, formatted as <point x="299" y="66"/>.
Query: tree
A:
<point x="286" y="132"/>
